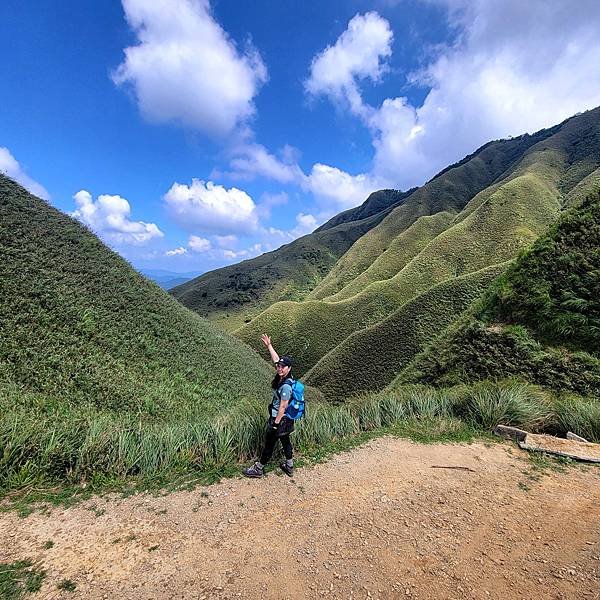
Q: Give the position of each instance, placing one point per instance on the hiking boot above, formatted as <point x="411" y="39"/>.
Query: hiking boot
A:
<point x="254" y="471"/>
<point x="289" y="471"/>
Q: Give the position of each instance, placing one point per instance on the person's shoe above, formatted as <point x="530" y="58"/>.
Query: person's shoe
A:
<point x="289" y="471"/>
<point x="254" y="471"/>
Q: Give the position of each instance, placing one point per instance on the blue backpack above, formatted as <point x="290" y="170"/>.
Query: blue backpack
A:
<point x="297" y="407"/>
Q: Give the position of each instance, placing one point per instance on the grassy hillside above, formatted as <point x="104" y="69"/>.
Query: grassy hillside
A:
<point x="233" y="295"/>
<point x="370" y="359"/>
<point x="382" y="200"/>
<point x="493" y="227"/>
<point x="449" y="191"/>
<point x="92" y="354"/>
<point x="492" y="233"/>
<point x="540" y="321"/>
<point x="400" y="252"/>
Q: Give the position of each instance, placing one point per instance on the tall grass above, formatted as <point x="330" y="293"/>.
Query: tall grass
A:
<point x="579" y="416"/>
<point x="101" y="447"/>
<point x="511" y="402"/>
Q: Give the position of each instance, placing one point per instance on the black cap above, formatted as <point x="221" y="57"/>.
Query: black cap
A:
<point x="285" y="360"/>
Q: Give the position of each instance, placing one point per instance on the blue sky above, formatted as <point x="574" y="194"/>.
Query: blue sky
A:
<point x="189" y="135"/>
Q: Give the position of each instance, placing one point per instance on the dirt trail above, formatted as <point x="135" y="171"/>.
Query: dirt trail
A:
<point x="377" y="522"/>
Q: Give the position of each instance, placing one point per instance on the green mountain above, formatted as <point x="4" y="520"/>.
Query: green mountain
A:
<point x="540" y="321"/>
<point x="233" y="295"/>
<point x="167" y="279"/>
<point x="80" y="325"/>
<point x="441" y="246"/>
<point x="98" y="363"/>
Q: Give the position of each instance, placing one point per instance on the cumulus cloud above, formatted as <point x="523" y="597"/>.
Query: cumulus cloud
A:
<point x="251" y="160"/>
<point x="233" y="255"/>
<point x="226" y="241"/>
<point x="269" y="201"/>
<point x="515" y="67"/>
<point x="305" y="223"/>
<point x="10" y="166"/>
<point x="109" y="217"/>
<point x="186" y="69"/>
<point x="518" y="66"/>
<point x="356" y="55"/>
<point x="176" y="251"/>
<point x="210" y="208"/>
<point x="199" y="244"/>
<point x="339" y="189"/>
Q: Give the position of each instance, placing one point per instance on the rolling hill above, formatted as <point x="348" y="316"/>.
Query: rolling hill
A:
<point x="540" y="321"/>
<point x="333" y="339"/>
<point x="233" y="295"/>
<point x="97" y="363"/>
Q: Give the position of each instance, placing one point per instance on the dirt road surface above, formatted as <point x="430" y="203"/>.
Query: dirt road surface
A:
<point x="376" y="522"/>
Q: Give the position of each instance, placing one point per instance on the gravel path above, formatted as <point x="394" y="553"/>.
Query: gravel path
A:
<point x="376" y="522"/>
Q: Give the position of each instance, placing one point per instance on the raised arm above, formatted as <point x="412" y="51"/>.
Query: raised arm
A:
<point x="267" y="342"/>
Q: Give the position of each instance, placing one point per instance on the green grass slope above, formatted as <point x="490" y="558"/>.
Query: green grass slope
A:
<point x="540" y="321"/>
<point x="400" y="252"/>
<point x="86" y="342"/>
<point x="233" y="295"/>
<point x="498" y="222"/>
<point x="371" y="358"/>
<point x="509" y="220"/>
<point x="449" y="191"/>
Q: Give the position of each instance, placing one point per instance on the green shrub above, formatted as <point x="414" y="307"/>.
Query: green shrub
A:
<point x="488" y="404"/>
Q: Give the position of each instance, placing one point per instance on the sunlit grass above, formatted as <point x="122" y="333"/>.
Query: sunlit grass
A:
<point x="113" y="449"/>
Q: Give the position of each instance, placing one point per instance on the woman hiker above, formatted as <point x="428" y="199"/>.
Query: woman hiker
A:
<point x="279" y="426"/>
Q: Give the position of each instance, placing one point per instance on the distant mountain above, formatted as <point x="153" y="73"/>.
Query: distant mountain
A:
<point x="375" y="203"/>
<point x="233" y="295"/>
<point x="167" y="279"/>
<point x="415" y="273"/>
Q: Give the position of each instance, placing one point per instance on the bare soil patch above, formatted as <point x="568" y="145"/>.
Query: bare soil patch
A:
<point x="377" y="522"/>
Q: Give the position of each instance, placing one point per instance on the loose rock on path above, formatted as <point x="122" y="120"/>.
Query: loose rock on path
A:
<point x="376" y="522"/>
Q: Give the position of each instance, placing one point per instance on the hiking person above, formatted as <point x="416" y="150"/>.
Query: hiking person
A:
<point x="279" y="425"/>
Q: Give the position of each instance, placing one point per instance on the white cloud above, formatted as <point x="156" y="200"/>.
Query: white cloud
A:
<point x="232" y="254"/>
<point x="210" y="208"/>
<point x="340" y="189"/>
<point x="269" y="201"/>
<point x="10" y="167"/>
<point x="305" y="224"/>
<point x="519" y="66"/>
<point x="516" y="67"/>
<point x="226" y="241"/>
<point x="185" y="67"/>
<point x="199" y="244"/>
<point x="251" y="160"/>
<point x="250" y="252"/>
<point x="109" y="216"/>
<point x="176" y="252"/>
<point x="357" y="54"/>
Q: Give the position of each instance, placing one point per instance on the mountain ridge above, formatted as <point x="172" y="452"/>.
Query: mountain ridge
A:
<point x="497" y="222"/>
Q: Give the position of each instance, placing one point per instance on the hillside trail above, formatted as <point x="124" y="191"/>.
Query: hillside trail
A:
<point x="376" y="522"/>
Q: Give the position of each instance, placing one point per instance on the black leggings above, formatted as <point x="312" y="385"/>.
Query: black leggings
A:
<point x="270" y="443"/>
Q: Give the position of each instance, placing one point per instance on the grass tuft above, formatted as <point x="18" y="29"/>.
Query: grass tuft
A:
<point x="19" y="578"/>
